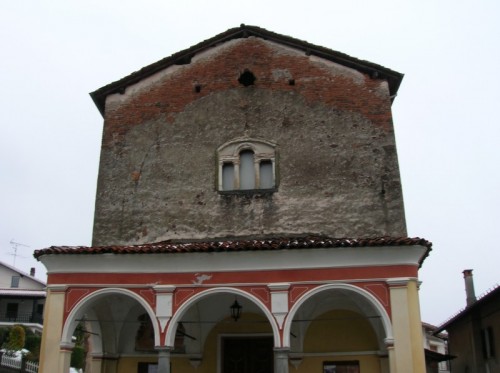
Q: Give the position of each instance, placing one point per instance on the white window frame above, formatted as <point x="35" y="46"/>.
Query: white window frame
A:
<point x="229" y="153"/>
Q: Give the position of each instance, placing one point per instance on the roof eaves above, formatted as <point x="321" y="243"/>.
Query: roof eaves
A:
<point x="483" y="299"/>
<point x="22" y="273"/>
<point x="236" y="245"/>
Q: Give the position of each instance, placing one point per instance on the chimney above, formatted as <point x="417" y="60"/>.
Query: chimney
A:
<point x="32" y="272"/>
<point x="469" y="287"/>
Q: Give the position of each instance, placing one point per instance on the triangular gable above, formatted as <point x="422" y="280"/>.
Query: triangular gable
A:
<point x="20" y="273"/>
<point x="184" y="57"/>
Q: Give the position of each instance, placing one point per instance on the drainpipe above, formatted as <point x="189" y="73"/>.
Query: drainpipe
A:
<point x="469" y="287"/>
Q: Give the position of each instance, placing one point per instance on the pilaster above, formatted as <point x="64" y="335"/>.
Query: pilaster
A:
<point x="406" y="326"/>
<point x="279" y="301"/>
<point x="51" y="355"/>
<point x="164" y="299"/>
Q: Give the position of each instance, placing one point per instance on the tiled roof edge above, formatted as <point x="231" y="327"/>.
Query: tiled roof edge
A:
<point x="481" y="299"/>
<point x="234" y="245"/>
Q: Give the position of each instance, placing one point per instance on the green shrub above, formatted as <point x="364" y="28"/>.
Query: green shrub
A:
<point x="17" y="338"/>
<point x="78" y="357"/>
<point x="4" y="336"/>
<point x="33" y="342"/>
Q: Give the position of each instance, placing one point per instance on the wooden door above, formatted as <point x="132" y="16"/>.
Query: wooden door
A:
<point x="247" y="355"/>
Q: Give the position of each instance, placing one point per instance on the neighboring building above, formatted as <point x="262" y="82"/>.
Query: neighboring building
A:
<point x="436" y="350"/>
<point x="22" y="297"/>
<point x="249" y="218"/>
<point x="474" y="333"/>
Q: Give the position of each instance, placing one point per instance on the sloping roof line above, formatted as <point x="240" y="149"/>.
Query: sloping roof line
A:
<point x="22" y="273"/>
<point x="244" y="31"/>
<point x="265" y="244"/>
<point x="22" y="293"/>
<point x="490" y="294"/>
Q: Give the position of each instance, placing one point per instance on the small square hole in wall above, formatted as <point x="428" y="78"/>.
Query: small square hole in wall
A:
<point x="247" y="78"/>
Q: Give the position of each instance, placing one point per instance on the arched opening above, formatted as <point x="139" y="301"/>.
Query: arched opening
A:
<point x="119" y="326"/>
<point x="338" y="323"/>
<point x="214" y="341"/>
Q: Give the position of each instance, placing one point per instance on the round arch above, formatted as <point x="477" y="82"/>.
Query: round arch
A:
<point x="386" y="322"/>
<point x="77" y="311"/>
<point x="170" y="335"/>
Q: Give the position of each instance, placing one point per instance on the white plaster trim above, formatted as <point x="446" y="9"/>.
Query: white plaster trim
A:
<point x="170" y="335"/>
<point x="164" y="288"/>
<point x="279" y="301"/>
<point x="68" y="346"/>
<point x="70" y="323"/>
<point x="57" y="288"/>
<point x="279" y="286"/>
<point x="341" y="257"/>
<point x="400" y="281"/>
<point x="230" y="284"/>
<point x="389" y="342"/>
<point x="164" y="301"/>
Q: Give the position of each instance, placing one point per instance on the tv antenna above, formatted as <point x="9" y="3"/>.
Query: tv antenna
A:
<point x="15" y="245"/>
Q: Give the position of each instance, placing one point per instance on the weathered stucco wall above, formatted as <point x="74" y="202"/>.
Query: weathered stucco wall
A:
<point x="337" y="169"/>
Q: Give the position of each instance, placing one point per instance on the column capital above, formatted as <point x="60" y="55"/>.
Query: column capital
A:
<point x="164" y="349"/>
<point x="164" y="288"/>
<point x="389" y="342"/>
<point x="279" y="286"/>
<point x="400" y="281"/>
<point x="57" y="288"/>
<point x="281" y="350"/>
<point x="66" y="346"/>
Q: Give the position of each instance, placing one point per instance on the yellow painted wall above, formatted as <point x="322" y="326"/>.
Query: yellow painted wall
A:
<point x="51" y="358"/>
<point x="367" y="364"/>
<point x="340" y="331"/>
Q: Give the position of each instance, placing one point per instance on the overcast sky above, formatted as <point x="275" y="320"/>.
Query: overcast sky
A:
<point x="53" y="53"/>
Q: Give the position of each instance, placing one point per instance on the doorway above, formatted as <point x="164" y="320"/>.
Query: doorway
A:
<point x="247" y="354"/>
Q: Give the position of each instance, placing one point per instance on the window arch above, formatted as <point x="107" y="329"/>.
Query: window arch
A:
<point x="246" y="164"/>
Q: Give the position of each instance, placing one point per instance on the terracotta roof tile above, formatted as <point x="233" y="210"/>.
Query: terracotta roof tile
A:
<point x="231" y="245"/>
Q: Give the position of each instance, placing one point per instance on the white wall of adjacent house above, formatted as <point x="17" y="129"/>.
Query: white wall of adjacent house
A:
<point x="10" y="278"/>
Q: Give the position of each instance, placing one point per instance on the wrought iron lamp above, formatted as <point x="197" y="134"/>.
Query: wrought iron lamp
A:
<point x="236" y="310"/>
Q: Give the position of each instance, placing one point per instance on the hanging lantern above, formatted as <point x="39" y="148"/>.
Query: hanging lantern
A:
<point x="235" y="310"/>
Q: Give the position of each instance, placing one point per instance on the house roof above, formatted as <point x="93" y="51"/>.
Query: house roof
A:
<point x="244" y="31"/>
<point x="433" y="356"/>
<point x="494" y="292"/>
<point x="22" y="273"/>
<point x="22" y="293"/>
<point x="235" y="245"/>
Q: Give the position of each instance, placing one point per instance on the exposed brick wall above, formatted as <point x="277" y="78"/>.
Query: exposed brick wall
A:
<point x="220" y="72"/>
<point x="337" y="164"/>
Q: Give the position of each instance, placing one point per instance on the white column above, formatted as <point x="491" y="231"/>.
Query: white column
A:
<point x="281" y="360"/>
<point x="163" y="360"/>
<point x="65" y="356"/>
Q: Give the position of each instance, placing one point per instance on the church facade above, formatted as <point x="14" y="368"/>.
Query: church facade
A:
<point x="249" y="218"/>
